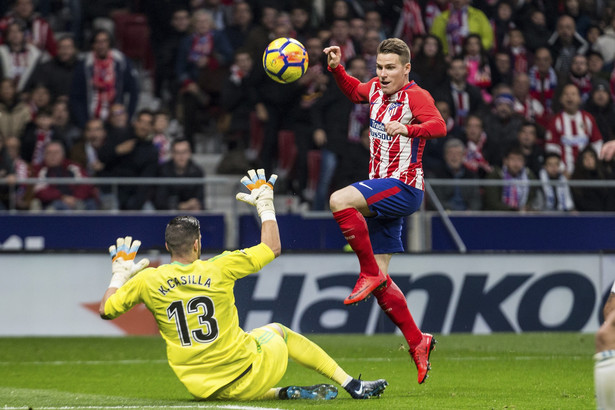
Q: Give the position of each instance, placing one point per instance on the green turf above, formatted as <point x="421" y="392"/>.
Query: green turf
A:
<point x="529" y="371"/>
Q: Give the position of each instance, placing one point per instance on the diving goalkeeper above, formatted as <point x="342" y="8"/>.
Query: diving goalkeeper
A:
<point x="193" y="303"/>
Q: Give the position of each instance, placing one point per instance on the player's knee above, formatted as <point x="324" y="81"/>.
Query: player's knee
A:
<point x="278" y="328"/>
<point x="338" y="201"/>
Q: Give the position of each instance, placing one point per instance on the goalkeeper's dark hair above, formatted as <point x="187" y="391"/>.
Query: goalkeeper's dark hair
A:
<point x="180" y="234"/>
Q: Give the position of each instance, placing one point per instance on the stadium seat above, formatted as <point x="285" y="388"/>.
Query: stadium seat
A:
<point x="313" y="165"/>
<point x="133" y="38"/>
<point x="287" y="152"/>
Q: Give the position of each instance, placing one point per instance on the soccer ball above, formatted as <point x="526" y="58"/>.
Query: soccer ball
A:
<point x="285" y="60"/>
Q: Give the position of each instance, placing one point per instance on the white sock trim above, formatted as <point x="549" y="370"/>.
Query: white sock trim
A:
<point x="348" y="380"/>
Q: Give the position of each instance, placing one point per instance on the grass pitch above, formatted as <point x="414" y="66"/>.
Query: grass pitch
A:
<point x="529" y="371"/>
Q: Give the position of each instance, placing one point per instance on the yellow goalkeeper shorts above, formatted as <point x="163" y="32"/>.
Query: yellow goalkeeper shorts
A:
<point x="267" y="369"/>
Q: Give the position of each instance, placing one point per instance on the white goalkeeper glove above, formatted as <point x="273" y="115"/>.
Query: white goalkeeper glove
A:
<point x="123" y="264"/>
<point x="261" y="193"/>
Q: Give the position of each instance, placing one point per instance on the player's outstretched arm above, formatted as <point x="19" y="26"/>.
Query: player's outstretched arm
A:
<point x="261" y="196"/>
<point x="123" y="267"/>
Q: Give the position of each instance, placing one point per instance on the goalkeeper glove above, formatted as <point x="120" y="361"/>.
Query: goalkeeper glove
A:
<point x="261" y="193"/>
<point x="123" y="264"/>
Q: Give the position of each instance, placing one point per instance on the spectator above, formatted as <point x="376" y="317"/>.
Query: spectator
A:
<point x="543" y="79"/>
<point x="300" y="20"/>
<point x="501" y="124"/>
<point x="565" y="43"/>
<point x="104" y="77"/>
<point x="516" y="194"/>
<point x="18" y="58"/>
<point x="37" y="135"/>
<point x="14" y="114"/>
<point x="521" y="57"/>
<point x="462" y="98"/>
<point x="503" y="23"/>
<point x="369" y="48"/>
<point x="201" y="64"/>
<point x="410" y="23"/>
<point x="572" y="129"/>
<point x="457" y="198"/>
<point x="527" y="140"/>
<point x="62" y="197"/>
<point x="61" y="121"/>
<point x="555" y="191"/>
<point x="262" y="34"/>
<point x="161" y="138"/>
<point x="358" y="29"/>
<point x="180" y="197"/>
<point x="85" y="151"/>
<point x="133" y="157"/>
<point x="456" y="23"/>
<point x="433" y="153"/>
<point x="57" y="73"/>
<point x="353" y="164"/>
<point x="340" y="36"/>
<point x="582" y="21"/>
<point x="37" y="32"/>
<point x="527" y="106"/>
<point x="600" y="106"/>
<point x="502" y="71"/>
<point x="476" y="138"/>
<point x="429" y="64"/>
<point x="116" y="125"/>
<point x="595" y="66"/>
<point x="241" y="24"/>
<point x="605" y="44"/>
<point x="38" y="99"/>
<point x="433" y="9"/>
<point x="165" y="54"/>
<point x="7" y="174"/>
<point x="535" y="30"/>
<point x="373" y="21"/>
<point x="591" y="199"/>
<point x="580" y="76"/>
<point x="23" y="193"/>
<point x="477" y="65"/>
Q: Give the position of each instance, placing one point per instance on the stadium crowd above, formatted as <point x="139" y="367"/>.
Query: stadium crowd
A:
<point x="526" y="88"/>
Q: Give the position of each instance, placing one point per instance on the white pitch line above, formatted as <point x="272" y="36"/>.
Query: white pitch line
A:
<point x="196" y="406"/>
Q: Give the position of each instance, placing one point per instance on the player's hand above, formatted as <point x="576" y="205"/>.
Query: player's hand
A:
<point x="395" y="127"/>
<point x="261" y="193"/>
<point x="123" y="264"/>
<point x="607" y="152"/>
<point x="334" y="56"/>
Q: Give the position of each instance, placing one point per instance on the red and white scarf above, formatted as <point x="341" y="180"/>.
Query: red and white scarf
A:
<point x="103" y="83"/>
<point x="410" y="23"/>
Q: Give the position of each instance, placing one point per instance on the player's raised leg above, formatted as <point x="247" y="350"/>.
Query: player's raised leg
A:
<point x="604" y="367"/>
<point x="393" y="302"/>
<point x="349" y="207"/>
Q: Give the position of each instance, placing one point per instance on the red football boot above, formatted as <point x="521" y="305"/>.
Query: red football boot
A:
<point x="421" y="354"/>
<point x="364" y="287"/>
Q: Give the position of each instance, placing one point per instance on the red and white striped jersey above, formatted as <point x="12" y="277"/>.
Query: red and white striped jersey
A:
<point x="567" y="135"/>
<point x="395" y="156"/>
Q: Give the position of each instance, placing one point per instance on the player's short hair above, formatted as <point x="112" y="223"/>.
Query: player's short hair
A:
<point x="180" y="234"/>
<point x="395" y="46"/>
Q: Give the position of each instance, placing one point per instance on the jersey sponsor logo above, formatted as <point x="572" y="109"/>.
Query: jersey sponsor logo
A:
<point x="575" y="140"/>
<point x="376" y="130"/>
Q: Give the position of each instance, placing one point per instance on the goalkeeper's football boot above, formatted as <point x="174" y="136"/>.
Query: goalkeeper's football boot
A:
<point x="316" y="392"/>
<point x="362" y="389"/>
<point x="421" y="354"/>
<point x="365" y="286"/>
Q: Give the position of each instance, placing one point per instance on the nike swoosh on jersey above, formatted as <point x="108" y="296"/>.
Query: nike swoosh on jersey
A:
<point x="366" y="186"/>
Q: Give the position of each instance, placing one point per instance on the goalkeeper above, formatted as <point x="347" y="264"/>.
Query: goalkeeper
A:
<point x="194" y="306"/>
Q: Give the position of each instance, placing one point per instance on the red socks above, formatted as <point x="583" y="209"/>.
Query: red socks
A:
<point x="354" y="229"/>
<point x="393" y="303"/>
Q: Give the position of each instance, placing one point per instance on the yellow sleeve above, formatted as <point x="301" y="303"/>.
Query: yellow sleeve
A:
<point x="240" y="263"/>
<point x="125" y="298"/>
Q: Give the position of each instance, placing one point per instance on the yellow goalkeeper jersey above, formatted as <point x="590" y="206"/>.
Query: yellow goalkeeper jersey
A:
<point x="194" y="307"/>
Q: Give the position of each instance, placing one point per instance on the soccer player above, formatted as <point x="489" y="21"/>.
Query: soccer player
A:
<point x="604" y="368"/>
<point x="402" y="117"/>
<point x="194" y="306"/>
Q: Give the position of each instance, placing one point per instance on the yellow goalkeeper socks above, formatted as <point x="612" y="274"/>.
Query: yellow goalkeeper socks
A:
<point x="310" y="355"/>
